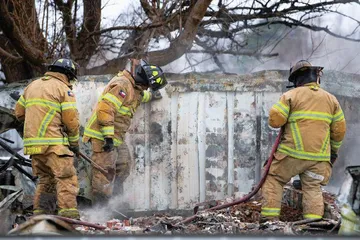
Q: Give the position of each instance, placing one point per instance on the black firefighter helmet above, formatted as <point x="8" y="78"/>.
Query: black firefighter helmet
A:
<point x="149" y="76"/>
<point x="65" y="66"/>
<point x="303" y="72"/>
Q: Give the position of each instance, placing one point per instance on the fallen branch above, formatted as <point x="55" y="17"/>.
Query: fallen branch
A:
<point x="209" y="223"/>
<point x="335" y="227"/>
<point x="301" y="222"/>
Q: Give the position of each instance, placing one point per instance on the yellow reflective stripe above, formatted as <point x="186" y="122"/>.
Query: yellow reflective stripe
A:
<point x="325" y="143"/>
<point x="303" y="155"/>
<point x="22" y="101"/>
<point x="270" y="212"/>
<point x="312" y="216"/>
<point x="338" y="116"/>
<point x="67" y="210"/>
<point x="45" y="122"/>
<point x="114" y="100"/>
<point x="125" y="111"/>
<point x="39" y="211"/>
<point x="74" y="138"/>
<point x="98" y="135"/>
<point x="118" y="104"/>
<point x="45" y="141"/>
<point x="297" y="115"/>
<point x="296" y="136"/>
<point x="92" y="120"/>
<point x="43" y="102"/>
<point x="68" y="105"/>
<point x="282" y="108"/>
<point x="146" y="97"/>
<point x="117" y="142"/>
<point x="108" y="130"/>
<point x="94" y="134"/>
<point x="335" y="145"/>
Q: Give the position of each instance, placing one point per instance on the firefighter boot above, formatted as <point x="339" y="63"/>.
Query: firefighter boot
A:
<point x="69" y="213"/>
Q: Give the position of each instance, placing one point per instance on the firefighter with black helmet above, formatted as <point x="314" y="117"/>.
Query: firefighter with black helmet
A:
<point x="51" y="137"/>
<point x="313" y="129"/>
<point x="112" y="116"/>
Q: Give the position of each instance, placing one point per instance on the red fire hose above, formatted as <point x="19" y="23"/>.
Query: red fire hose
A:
<point x="253" y="192"/>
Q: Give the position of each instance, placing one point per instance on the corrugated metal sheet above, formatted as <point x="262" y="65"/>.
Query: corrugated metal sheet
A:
<point x="198" y="143"/>
<point x="206" y="139"/>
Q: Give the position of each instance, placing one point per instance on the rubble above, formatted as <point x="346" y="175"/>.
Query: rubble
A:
<point x="6" y="202"/>
<point x="243" y="218"/>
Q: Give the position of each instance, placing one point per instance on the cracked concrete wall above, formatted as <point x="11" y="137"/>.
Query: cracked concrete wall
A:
<point x="207" y="138"/>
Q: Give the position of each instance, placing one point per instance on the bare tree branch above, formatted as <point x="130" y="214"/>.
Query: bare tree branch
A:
<point x="9" y="56"/>
<point x="176" y="49"/>
<point x="69" y="24"/>
<point x="137" y="28"/>
<point x="242" y="53"/>
<point x="250" y="28"/>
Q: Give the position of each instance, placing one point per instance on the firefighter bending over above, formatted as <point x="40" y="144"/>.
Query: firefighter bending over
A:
<point x="314" y="127"/>
<point x="51" y="137"/>
<point x="112" y="116"/>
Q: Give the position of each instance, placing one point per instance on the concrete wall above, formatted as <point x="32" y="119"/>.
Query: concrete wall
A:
<point x="207" y="138"/>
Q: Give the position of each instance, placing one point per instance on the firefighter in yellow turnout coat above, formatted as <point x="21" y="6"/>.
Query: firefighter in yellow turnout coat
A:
<point x="51" y="136"/>
<point x="314" y="127"/>
<point x="112" y="116"/>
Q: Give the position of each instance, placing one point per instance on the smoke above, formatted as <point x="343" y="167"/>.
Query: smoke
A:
<point x="292" y="45"/>
<point x="101" y="214"/>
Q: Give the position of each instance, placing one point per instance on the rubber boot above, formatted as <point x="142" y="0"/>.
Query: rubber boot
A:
<point x="69" y="213"/>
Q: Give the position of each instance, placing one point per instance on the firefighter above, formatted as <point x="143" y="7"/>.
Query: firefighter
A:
<point x="112" y="116"/>
<point x="51" y="137"/>
<point x="313" y="129"/>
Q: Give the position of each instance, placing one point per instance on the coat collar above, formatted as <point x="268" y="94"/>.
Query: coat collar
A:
<point x="62" y="77"/>
<point x="128" y="75"/>
<point x="313" y="86"/>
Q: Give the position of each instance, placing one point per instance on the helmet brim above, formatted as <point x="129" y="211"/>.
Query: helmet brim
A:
<point x="292" y="75"/>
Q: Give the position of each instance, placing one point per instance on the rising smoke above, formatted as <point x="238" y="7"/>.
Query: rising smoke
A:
<point x="103" y="213"/>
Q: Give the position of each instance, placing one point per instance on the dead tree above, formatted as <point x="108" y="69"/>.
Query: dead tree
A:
<point x="33" y="35"/>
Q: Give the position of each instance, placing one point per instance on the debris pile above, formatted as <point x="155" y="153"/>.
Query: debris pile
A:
<point x="241" y="218"/>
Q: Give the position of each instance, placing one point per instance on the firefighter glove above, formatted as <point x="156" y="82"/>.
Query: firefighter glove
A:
<point x="75" y="150"/>
<point x="333" y="158"/>
<point x="156" y="94"/>
<point x="109" y="145"/>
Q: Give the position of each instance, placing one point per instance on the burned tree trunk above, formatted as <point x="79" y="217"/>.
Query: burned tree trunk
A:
<point x="17" y="71"/>
<point x="12" y="65"/>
